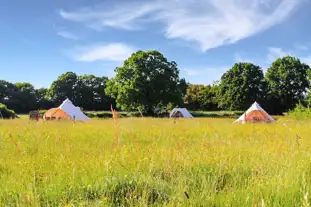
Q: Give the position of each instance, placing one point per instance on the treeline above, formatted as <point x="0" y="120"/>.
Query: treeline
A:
<point x="86" y="91"/>
<point x="149" y="83"/>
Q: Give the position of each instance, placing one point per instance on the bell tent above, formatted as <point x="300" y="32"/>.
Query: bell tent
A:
<point x="180" y="112"/>
<point x="66" y="111"/>
<point x="255" y="114"/>
<point x="56" y="113"/>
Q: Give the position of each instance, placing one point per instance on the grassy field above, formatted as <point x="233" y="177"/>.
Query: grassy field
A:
<point x="197" y="162"/>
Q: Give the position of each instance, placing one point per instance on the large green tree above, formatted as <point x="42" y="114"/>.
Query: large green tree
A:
<point x="288" y="82"/>
<point x="240" y="86"/>
<point x="63" y="87"/>
<point x="147" y="81"/>
<point x="25" y="98"/>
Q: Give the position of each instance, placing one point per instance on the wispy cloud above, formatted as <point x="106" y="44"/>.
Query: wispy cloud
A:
<point x="210" y="23"/>
<point x="103" y="52"/>
<point x="67" y="35"/>
<point x="240" y="57"/>
<point x="276" y="52"/>
<point x="205" y="75"/>
<point x="302" y="47"/>
<point x="193" y="72"/>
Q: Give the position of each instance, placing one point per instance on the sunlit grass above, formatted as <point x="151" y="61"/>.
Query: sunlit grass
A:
<point x="209" y="162"/>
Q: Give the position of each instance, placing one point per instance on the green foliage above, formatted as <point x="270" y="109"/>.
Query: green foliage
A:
<point x="89" y="93"/>
<point x="300" y="112"/>
<point x="241" y="86"/>
<point x="200" y="97"/>
<point x="287" y="79"/>
<point x="217" y="114"/>
<point x="86" y="91"/>
<point x="6" y="113"/>
<point x="108" y="114"/>
<point x="26" y="98"/>
<point x="146" y="81"/>
<point x="62" y="88"/>
<point x="43" y="102"/>
<point x="149" y="83"/>
<point x="20" y="97"/>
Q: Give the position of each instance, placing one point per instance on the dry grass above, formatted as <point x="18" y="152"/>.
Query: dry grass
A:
<point x="208" y="162"/>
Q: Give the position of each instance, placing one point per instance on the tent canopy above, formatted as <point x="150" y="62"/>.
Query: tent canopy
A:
<point x="66" y="111"/>
<point x="255" y="114"/>
<point x="180" y="112"/>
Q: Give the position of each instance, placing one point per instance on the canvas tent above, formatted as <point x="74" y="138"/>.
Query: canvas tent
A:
<point x="180" y="112"/>
<point x="255" y="114"/>
<point x="56" y="114"/>
<point x="66" y="111"/>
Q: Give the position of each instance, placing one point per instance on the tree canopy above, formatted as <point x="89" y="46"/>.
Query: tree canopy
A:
<point x="146" y="81"/>
<point x="200" y="97"/>
<point x="288" y="83"/>
<point x="240" y="86"/>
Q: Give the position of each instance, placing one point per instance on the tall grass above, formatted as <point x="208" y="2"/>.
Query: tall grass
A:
<point x="197" y="162"/>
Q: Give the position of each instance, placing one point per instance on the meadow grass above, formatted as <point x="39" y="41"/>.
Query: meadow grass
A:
<point x="156" y="162"/>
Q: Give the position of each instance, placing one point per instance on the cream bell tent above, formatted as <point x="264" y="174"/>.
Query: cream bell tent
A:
<point x="74" y="112"/>
<point x="66" y="111"/>
<point x="180" y="112"/>
<point x="255" y="114"/>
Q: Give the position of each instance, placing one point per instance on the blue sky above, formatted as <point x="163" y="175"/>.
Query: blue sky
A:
<point x="40" y="39"/>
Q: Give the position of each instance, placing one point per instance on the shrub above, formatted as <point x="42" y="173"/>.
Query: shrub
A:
<point x="6" y="113"/>
<point x="42" y="112"/>
<point x="300" y="112"/>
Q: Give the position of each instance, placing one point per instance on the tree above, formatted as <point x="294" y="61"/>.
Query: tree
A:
<point x="89" y="93"/>
<point x="240" y="86"/>
<point x="25" y="98"/>
<point x="63" y="87"/>
<point x="287" y="80"/>
<point x="209" y="98"/>
<point x="7" y="91"/>
<point x="183" y="85"/>
<point x="146" y="81"/>
<point x="200" y="97"/>
<point x="42" y="101"/>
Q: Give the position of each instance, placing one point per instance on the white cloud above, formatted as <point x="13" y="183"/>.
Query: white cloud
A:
<point x="106" y="52"/>
<point x="67" y="35"/>
<point x="210" y="23"/>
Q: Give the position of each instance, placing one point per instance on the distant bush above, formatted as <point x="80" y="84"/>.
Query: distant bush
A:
<point x="6" y="113"/>
<point x="300" y="112"/>
<point x="217" y="114"/>
<point x="42" y="112"/>
<point x="108" y="114"/>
